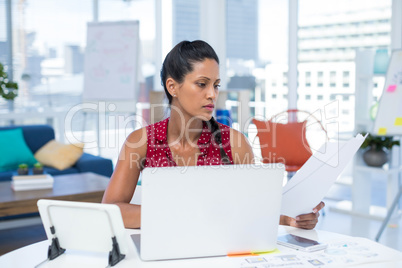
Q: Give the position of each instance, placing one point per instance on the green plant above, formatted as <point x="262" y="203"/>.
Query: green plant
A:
<point x="38" y="165"/>
<point x="379" y="142"/>
<point x="23" y="166"/>
<point x="8" y="89"/>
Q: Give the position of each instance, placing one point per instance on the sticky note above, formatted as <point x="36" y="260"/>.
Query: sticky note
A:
<point x="382" y="131"/>
<point x="266" y="252"/>
<point x="391" y="88"/>
<point x="398" y="121"/>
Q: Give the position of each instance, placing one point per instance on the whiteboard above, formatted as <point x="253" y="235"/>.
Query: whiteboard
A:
<point x="111" y="61"/>
<point x="388" y="121"/>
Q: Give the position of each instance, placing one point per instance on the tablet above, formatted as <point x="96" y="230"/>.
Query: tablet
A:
<point x="83" y="226"/>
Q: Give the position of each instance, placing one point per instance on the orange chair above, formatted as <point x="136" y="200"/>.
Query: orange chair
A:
<point x="283" y="138"/>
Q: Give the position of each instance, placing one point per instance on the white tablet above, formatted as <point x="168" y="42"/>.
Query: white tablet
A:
<point x="83" y="226"/>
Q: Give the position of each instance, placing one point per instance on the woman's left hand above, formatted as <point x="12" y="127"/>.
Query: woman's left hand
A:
<point x="305" y="221"/>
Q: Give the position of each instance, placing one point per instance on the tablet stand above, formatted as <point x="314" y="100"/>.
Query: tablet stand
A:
<point x="55" y="250"/>
<point x="114" y="255"/>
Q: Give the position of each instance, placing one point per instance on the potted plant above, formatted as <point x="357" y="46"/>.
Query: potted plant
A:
<point x="8" y="89"/>
<point x="37" y="168"/>
<point x="22" y="169"/>
<point x="376" y="154"/>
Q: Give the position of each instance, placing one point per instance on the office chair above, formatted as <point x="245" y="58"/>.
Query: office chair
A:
<point x="283" y="138"/>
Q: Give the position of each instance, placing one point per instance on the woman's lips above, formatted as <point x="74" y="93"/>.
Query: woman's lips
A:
<point x="209" y="107"/>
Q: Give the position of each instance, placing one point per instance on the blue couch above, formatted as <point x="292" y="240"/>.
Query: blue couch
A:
<point x="38" y="135"/>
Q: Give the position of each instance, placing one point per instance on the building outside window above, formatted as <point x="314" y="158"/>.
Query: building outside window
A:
<point x="320" y="79"/>
<point x="332" y="79"/>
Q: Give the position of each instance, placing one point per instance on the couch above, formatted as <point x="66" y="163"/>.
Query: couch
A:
<point x="38" y="135"/>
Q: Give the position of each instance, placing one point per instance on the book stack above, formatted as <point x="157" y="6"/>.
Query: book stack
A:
<point x="31" y="182"/>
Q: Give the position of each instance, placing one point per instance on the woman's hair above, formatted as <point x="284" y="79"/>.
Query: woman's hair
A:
<point x="179" y="62"/>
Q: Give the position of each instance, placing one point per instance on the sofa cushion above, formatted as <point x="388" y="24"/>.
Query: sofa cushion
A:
<point x="14" y="150"/>
<point x="59" y="156"/>
<point x="55" y="172"/>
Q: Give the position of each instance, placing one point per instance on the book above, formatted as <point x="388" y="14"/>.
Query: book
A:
<point x="27" y="187"/>
<point x="30" y="176"/>
<point x="33" y="182"/>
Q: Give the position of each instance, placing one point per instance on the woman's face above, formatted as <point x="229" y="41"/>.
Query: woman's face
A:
<point x="196" y="96"/>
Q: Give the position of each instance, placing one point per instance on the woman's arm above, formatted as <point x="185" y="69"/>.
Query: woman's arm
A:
<point x="125" y="177"/>
<point x="242" y="153"/>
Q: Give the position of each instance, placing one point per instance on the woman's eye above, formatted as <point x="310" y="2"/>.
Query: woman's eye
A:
<point x="201" y="84"/>
<point x="217" y="86"/>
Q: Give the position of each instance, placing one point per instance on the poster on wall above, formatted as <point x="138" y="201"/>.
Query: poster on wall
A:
<point x="111" y="61"/>
<point x="388" y="121"/>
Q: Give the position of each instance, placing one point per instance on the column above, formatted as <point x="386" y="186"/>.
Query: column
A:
<point x="213" y="31"/>
<point x="292" y="54"/>
<point x="396" y="25"/>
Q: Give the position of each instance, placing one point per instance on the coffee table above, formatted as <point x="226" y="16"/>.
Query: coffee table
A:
<point x="83" y="187"/>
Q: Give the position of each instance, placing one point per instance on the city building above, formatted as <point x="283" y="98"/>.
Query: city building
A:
<point x="326" y="70"/>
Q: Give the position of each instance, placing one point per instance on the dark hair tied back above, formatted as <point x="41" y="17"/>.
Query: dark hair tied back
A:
<point x="218" y="139"/>
<point x="180" y="61"/>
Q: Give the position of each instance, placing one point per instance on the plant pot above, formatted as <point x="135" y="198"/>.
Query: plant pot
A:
<point x="374" y="157"/>
<point x="22" y="171"/>
<point x="37" y="170"/>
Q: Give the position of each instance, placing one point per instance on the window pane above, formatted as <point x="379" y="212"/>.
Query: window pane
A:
<point x="330" y="32"/>
<point x="48" y="51"/>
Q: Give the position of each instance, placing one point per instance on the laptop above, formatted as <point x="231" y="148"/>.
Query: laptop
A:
<point x="206" y="211"/>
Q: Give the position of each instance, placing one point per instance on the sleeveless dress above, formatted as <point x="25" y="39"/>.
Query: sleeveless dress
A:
<point x="159" y="154"/>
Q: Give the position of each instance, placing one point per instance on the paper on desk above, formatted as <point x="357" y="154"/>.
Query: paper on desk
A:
<point x="340" y="253"/>
<point x="309" y="185"/>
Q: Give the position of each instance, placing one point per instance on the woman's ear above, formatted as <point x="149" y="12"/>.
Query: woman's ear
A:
<point x="171" y="86"/>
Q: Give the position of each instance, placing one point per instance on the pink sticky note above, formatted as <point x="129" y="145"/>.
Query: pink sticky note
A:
<point x="391" y="88"/>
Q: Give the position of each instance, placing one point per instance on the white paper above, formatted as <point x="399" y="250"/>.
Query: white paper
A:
<point x="308" y="186"/>
<point x="340" y="253"/>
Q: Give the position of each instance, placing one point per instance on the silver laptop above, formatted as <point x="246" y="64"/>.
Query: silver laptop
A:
<point x="209" y="210"/>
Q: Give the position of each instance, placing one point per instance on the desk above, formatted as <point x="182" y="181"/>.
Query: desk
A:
<point x="34" y="254"/>
<point x="83" y="187"/>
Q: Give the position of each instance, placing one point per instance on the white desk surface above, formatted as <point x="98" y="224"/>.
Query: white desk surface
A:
<point x="34" y="254"/>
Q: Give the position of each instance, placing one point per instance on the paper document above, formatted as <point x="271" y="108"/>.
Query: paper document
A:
<point x="340" y="253"/>
<point x="308" y="186"/>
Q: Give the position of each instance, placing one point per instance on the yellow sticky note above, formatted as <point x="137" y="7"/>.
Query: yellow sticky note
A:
<point x="398" y="121"/>
<point x="266" y="252"/>
<point x="382" y="131"/>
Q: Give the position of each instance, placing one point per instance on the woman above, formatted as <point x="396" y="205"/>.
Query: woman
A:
<point x="191" y="136"/>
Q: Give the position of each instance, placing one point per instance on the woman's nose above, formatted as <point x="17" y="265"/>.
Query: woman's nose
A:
<point x="211" y="92"/>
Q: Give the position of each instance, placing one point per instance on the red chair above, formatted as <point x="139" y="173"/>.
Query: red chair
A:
<point x="283" y="138"/>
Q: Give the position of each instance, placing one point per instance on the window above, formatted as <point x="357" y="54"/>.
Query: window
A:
<point x="285" y="79"/>
<point x="308" y="79"/>
<point x="320" y="97"/>
<point x="346" y="77"/>
<point x="331" y="50"/>
<point x="332" y="79"/>
<point x="308" y="97"/>
<point x="320" y="79"/>
<point x="274" y="96"/>
<point x="345" y="97"/>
